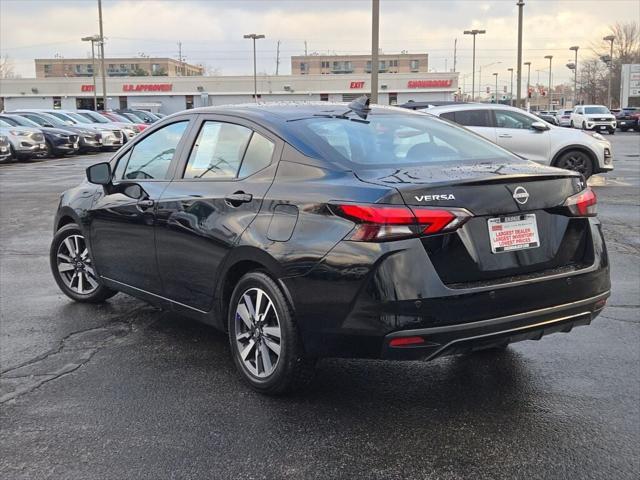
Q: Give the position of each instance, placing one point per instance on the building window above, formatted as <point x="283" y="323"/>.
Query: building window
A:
<point x="342" y="67"/>
<point x="304" y="68"/>
<point x="414" y="64"/>
<point x="382" y="66"/>
<point x="393" y="98"/>
<point x="47" y="68"/>
<point x="57" y="103"/>
<point x="122" y="100"/>
<point x="324" y="97"/>
<point x="326" y="64"/>
<point x="393" y="63"/>
<point x="189" y="102"/>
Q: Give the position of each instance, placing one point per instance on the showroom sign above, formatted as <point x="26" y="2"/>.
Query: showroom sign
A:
<point x="429" y="83"/>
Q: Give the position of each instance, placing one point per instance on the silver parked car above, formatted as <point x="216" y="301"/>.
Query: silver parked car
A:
<point x="24" y="142"/>
<point x="528" y="136"/>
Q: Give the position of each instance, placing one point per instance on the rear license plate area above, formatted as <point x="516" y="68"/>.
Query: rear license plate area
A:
<point x="515" y="232"/>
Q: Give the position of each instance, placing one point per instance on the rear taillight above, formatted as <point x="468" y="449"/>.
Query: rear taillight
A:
<point x="378" y="223"/>
<point x="582" y="204"/>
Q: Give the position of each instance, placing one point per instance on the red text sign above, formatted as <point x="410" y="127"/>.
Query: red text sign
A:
<point x="148" y="87"/>
<point x="358" y="84"/>
<point x="86" y="88"/>
<point x="429" y="83"/>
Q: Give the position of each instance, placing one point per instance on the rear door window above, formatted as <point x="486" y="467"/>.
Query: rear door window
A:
<point x="473" y="118"/>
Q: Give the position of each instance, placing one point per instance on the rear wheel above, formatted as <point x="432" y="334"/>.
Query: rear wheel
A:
<point x="264" y="338"/>
<point x="584" y="125"/>
<point x="577" y="161"/>
<point x="73" y="269"/>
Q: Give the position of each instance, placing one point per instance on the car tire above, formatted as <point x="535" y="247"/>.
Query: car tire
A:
<point x="584" y="125"/>
<point x="612" y="132"/>
<point x="72" y="267"/>
<point x="572" y="125"/>
<point x="577" y="161"/>
<point x="270" y="365"/>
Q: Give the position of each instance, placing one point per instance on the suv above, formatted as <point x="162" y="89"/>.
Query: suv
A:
<point x="529" y="137"/>
<point x="563" y="118"/>
<point x="331" y="230"/>
<point x="24" y="142"/>
<point x="627" y="118"/>
<point x="593" y="117"/>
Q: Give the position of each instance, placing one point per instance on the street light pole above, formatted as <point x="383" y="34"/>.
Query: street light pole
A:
<point x="520" y="5"/>
<point x="511" y="93"/>
<point x="375" y="27"/>
<point x="528" y="64"/>
<point x="93" y="39"/>
<point x="575" y="49"/>
<point x="254" y="37"/>
<point x="473" y="69"/>
<point x="495" y="74"/>
<point x="610" y="38"/>
<point x="550" y="57"/>
<point x="104" y="72"/>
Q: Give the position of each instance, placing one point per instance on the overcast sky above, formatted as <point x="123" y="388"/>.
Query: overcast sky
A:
<point x="211" y="31"/>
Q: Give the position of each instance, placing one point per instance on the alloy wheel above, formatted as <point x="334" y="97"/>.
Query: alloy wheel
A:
<point x="74" y="265"/>
<point x="576" y="162"/>
<point x="257" y="333"/>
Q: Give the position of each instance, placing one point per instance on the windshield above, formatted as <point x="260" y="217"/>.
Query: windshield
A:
<point x="43" y="119"/>
<point x="397" y="140"/>
<point x="21" y="121"/>
<point x="591" y="110"/>
<point x="94" y="117"/>
<point x="119" y="118"/>
<point x="78" y="118"/>
<point x="4" y="124"/>
<point x="64" y="117"/>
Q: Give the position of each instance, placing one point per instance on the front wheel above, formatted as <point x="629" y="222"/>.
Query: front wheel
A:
<point x="73" y="268"/>
<point x="264" y="338"/>
<point x="577" y="161"/>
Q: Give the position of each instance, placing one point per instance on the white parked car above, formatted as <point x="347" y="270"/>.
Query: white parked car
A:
<point x="593" y="117"/>
<point x="526" y="135"/>
<point x="563" y="117"/>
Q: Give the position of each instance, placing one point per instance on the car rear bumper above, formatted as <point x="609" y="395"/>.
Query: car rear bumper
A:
<point x="460" y="338"/>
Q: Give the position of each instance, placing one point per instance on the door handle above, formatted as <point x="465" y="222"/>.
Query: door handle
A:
<point x="145" y="204"/>
<point x="238" y="198"/>
<point x="504" y="136"/>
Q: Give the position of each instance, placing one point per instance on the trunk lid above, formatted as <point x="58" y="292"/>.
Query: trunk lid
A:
<point x="465" y="258"/>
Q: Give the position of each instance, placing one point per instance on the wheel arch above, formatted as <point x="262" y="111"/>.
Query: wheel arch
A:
<point x="243" y="260"/>
<point x="592" y="156"/>
<point x="64" y="217"/>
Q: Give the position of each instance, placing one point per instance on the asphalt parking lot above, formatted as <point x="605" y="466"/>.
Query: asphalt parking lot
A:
<point x="123" y="390"/>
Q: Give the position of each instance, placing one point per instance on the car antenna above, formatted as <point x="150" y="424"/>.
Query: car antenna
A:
<point x="360" y="106"/>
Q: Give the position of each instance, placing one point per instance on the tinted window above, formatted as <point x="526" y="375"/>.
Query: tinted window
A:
<point x="396" y="140"/>
<point x="508" y="119"/>
<point x="257" y="156"/>
<point x="151" y="157"/>
<point x="449" y="116"/>
<point x="592" y="110"/>
<point x="218" y="151"/>
<point x="473" y="118"/>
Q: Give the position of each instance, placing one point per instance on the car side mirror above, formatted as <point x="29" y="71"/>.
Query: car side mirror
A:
<point x="540" y="126"/>
<point x="100" y="173"/>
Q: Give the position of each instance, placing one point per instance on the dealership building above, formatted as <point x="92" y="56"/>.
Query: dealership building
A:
<point x="171" y="94"/>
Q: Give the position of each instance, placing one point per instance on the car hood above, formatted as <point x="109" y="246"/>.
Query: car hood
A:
<point x="58" y="131"/>
<point x="21" y="129"/>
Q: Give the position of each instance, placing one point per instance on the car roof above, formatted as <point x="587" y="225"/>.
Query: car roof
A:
<point x="472" y="106"/>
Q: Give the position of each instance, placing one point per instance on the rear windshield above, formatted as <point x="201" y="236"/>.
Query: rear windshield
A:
<point x="592" y="110"/>
<point x="397" y="140"/>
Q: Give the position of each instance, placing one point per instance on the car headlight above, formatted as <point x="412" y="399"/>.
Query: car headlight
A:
<point x="105" y="133"/>
<point x="19" y="134"/>
<point x="61" y="135"/>
<point x="596" y="135"/>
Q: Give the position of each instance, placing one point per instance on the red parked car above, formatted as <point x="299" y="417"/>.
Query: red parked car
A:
<point x="120" y="118"/>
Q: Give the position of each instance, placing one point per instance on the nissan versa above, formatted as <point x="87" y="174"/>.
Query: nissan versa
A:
<point x="334" y="230"/>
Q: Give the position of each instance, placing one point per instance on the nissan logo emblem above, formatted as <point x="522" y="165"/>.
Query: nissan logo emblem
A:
<point x="521" y="195"/>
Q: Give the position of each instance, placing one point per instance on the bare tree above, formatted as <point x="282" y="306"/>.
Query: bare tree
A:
<point x="6" y="67"/>
<point x="626" y="49"/>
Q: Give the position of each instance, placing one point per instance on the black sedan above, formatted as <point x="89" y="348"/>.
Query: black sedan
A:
<point x="59" y="141"/>
<point x="334" y="230"/>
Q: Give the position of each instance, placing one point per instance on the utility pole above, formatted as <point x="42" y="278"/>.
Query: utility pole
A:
<point x="575" y="49"/>
<point x="277" y="57"/>
<point x="455" y="54"/>
<point x="511" y="93"/>
<point x="519" y="66"/>
<point x="305" y="49"/>
<point x="473" y="69"/>
<point x="611" y="39"/>
<point x="495" y="74"/>
<point x="180" y="57"/>
<point x="375" y="25"/>
<point x="254" y="37"/>
<point x="550" y="57"/>
<point x="104" y="71"/>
